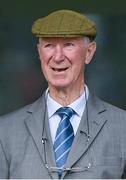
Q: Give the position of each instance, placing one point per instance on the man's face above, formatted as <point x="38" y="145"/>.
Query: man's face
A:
<point x="63" y="60"/>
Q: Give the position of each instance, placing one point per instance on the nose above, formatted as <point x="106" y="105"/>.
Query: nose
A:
<point x="58" y="54"/>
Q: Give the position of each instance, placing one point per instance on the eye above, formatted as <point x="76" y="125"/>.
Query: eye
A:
<point x="48" y="45"/>
<point x="69" y="44"/>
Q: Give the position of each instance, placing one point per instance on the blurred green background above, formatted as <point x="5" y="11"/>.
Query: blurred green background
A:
<point x="21" y="79"/>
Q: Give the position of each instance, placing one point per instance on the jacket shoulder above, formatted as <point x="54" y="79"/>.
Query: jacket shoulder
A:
<point x="15" y="120"/>
<point x="114" y="109"/>
<point x="114" y="113"/>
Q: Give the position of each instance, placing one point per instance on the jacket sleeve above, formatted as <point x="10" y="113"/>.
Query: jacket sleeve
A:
<point x="3" y="164"/>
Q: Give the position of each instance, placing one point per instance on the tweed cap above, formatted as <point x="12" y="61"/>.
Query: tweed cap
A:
<point x="64" y="23"/>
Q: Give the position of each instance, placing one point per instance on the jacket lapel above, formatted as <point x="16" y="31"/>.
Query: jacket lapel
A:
<point x="93" y="120"/>
<point x="36" y="124"/>
<point x="96" y="121"/>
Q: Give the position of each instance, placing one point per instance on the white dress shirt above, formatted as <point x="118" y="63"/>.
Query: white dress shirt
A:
<point x="78" y="106"/>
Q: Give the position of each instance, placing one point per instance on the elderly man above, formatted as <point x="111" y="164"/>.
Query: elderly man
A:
<point x="68" y="132"/>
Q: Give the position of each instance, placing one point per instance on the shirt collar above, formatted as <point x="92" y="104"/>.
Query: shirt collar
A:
<point x="78" y="105"/>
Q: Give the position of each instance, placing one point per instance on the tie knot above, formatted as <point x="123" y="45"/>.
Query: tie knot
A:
<point x="65" y="111"/>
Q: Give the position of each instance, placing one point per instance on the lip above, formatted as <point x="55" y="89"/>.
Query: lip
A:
<point x="59" y="69"/>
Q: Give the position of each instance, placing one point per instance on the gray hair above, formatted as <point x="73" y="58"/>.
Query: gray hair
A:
<point x="87" y="40"/>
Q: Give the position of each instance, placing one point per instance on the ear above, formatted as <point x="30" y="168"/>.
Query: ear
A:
<point x="38" y="48"/>
<point x="90" y="52"/>
<point x="39" y="51"/>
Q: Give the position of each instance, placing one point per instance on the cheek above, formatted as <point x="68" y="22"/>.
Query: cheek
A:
<point x="44" y="64"/>
<point x="43" y="61"/>
<point x="78" y="66"/>
<point x="44" y="56"/>
<point x="78" y="55"/>
<point x="78" y="60"/>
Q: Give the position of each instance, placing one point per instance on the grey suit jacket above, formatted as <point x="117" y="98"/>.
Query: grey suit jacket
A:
<point x="99" y="154"/>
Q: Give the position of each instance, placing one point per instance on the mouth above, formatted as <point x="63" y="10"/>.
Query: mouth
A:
<point x="59" y="69"/>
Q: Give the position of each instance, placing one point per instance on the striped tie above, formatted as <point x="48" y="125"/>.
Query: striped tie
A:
<point x="64" y="136"/>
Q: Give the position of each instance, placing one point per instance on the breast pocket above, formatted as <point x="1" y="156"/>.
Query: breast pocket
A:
<point x="109" y="161"/>
<point x="108" y="167"/>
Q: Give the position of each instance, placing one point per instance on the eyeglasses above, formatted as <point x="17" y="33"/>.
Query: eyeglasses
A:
<point x="64" y="169"/>
<point x="52" y="169"/>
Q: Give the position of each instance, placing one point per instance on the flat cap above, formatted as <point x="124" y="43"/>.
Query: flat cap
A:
<point x="64" y="23"/>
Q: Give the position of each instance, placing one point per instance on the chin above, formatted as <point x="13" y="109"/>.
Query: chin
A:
<point x="61" y="85"/>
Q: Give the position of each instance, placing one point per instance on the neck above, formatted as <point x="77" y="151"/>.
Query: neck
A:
<point x="67" y="95"/>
